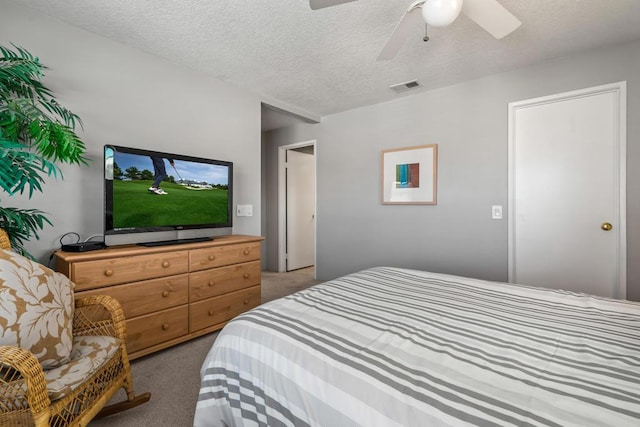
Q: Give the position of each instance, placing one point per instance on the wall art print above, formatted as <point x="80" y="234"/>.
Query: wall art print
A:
<point x="409" y="175"/>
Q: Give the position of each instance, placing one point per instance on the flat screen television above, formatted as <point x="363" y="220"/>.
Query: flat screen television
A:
<point x="155" y="196"/>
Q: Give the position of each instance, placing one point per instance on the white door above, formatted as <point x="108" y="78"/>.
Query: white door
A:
<point x="567" y="183"/>
<point x="300" y="193"/>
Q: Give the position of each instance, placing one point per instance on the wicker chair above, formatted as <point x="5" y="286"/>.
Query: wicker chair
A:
<point x="25" y="394"/>
<point x="4" y="240"/>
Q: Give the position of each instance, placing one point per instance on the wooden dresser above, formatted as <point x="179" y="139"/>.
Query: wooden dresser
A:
<point x="174" y="293"/>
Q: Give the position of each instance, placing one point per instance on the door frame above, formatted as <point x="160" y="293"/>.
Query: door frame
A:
<point x="619" y="89"/>
<point x="282" y="205"/>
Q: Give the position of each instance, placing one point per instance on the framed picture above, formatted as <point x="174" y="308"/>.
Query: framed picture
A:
<point x="409" y="175"/>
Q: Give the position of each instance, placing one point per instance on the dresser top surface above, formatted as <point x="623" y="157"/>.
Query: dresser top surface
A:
<point x="130" y="250"/>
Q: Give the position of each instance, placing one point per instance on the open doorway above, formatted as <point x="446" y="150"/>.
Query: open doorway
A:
<point x="297" y="206"/>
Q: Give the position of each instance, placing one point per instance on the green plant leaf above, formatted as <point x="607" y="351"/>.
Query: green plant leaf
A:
<point x="36" y="133"/>
<point x="20" y="168"/>
<point x="21" y="225"/>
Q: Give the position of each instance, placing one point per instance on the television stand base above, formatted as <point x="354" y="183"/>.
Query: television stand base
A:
<point x="176" y="241"/>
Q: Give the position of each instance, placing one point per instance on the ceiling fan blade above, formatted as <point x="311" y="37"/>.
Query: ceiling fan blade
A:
<point x="411" y="19"/>
<point x="491" y="16"/>
<point x="321" y="4"/>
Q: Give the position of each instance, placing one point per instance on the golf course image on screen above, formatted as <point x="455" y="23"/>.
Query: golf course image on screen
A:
<point x="154" y="192"/>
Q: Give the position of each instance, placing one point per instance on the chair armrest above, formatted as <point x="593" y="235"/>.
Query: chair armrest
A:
<point x="21" y="376"/>
<point x="99" y="315"/>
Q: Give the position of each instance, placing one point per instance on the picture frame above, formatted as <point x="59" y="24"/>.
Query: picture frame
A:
<point x="409" y="175"/>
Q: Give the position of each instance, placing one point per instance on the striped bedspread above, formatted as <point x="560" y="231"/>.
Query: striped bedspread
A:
<point x="397" y="347"/>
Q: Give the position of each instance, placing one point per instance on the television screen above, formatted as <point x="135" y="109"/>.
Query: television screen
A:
<point x="147" y="191"/>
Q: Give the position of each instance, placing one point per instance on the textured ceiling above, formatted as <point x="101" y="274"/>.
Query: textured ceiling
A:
<point x="324" y="61"/>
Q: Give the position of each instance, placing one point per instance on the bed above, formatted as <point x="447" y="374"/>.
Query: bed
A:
<point x="398" y="347"/>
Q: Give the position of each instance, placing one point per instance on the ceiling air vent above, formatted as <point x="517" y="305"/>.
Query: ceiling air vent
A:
<point x="403" y="87"/>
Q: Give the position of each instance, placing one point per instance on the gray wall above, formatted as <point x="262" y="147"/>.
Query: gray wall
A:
<point x="127" y="97"/>
<point x="468" y="121"/>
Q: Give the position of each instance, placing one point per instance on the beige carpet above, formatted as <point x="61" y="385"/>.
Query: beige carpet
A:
<point x="173" y="375"/>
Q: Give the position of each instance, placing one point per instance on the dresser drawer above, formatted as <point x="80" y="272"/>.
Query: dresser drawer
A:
<point x="201" y="259"/>
<point x="212" y="311"/>
<point x="210" y="283"/>
<point x="146" y="297"/>
<point x="105" y="272"/>
<point x="152" y="329"/>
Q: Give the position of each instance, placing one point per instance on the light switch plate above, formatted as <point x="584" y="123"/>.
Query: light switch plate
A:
<point x="244" y="210"/>
<point x="496" y="212"/>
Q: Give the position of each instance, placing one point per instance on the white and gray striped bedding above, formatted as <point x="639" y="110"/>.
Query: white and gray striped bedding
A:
<point x="397" y="347"/>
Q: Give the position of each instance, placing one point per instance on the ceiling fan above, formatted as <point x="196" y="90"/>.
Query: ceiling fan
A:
<point x="489" y="14"/>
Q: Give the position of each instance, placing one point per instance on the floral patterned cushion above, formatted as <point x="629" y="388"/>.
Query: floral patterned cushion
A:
<point x="88" y="355"/>
<point x="36" y="309"/>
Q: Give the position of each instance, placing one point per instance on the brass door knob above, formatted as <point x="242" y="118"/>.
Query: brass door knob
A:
<point x="606" y="226"/>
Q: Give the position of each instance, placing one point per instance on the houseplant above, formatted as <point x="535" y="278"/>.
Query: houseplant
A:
<point x="36" y="134"/>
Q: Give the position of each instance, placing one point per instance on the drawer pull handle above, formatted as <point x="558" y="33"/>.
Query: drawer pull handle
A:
<point x="246" y="301"/>
<point x="246" y="275"/>
<point x="211" y="312"/>
<point x="211" y="283"/>
<point x="108" y="273"/>
<point x="246" y="252"/>
<point x="165" y="264"/>
<point x="212" y="257"/>
<point x="165" y="293"/>
<point x="165" y="326"/>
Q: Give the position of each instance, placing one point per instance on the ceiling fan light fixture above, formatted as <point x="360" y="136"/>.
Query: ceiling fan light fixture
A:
<point x="440" y="13"/>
